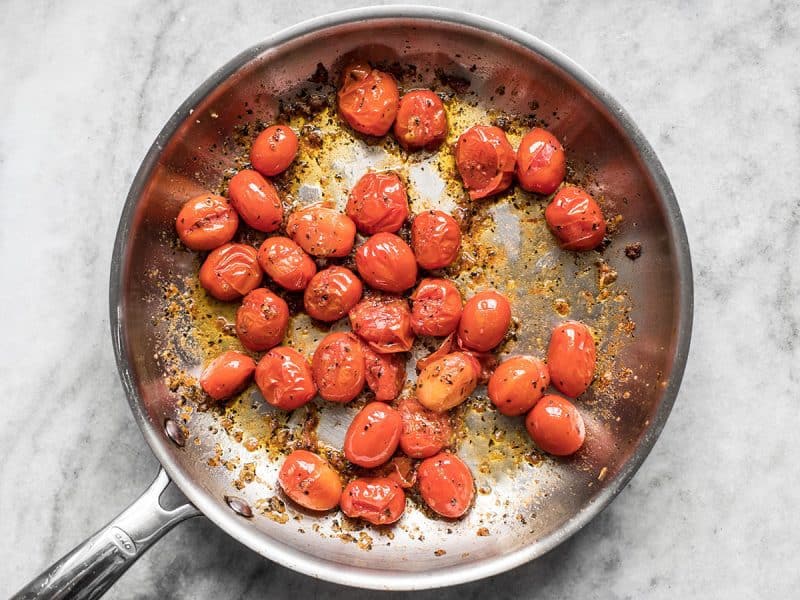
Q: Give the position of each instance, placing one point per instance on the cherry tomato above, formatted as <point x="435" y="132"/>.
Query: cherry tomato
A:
<point x="206" y="222"/>
<point x="517" y="384"/>
<point x="256" y="200"/>
<point x="541" y="162"/>
<point x="373" y="435"/>
<point x="436" y="239"/>
<point x="338" y="367"/>
<point x="368" y="99"/>
<point x="445" y="348"/>
<point x="421" y="121"/>
<point x="424" y="432"/>
<point x="571" y="358"/>
<point x="262" y="320"/>
<point x="446" y="485"/>
<point x="575" y="219"/>
<point x="378" y="500"/>
<point x="400" y="470"/>
<point x="386" y="263"/>
<point x="286" y="263"/>
<point x="227" y="375"/>
<point x="284" y="377"/>
<point x="384" y="323"/>
<point x="556" y="426"/>
<point x="386" y="374"/>
<point x="332" y="293"/>
<point x="322" y="231"/>
<point x="230" y="271"/>
<point x="448" y="381"/>
<point x="378" y="203"/>
<point x="484" y="321"/>
<point x="435" y="307"/>
<point x="485" y="161"/>
<point x="310" y="481"/>
<point x="274" y="150"/>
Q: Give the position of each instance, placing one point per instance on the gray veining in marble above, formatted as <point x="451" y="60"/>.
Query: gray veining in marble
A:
<point x="716" y="88"/>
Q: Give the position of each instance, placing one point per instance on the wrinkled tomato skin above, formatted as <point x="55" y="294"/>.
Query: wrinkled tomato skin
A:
<point x="378" y="203"/>
<point x="541" y="162"/>
<point x="373" y="435"/>
<point x="571" y="358"/>
<point x="322" y="231"/>
<point x="338" y="367"/>
<point x="332" y="293"/>
<point x="484" y="321"/>
<point x="384" y="323"/>
<point x="368" y="99"/>
<point x="274" y="150"/>
<point x="284" y="377"/>
<point x="310" y="481"/>
<point x="485" y="161"/>
<point x="436" y="239"/>
<point x="377" y="500"/>
<point x="385" y="374"/>
<point x="286" y="263"/>
<point x="575" y="219"/>
<point x="556" y="426"/>
<point x="385" y="262"/>
<point x="206" y="222"/>
<point x="262" y="320"/>
<point x="421" y="121"/>
<point x="517" y="384"/>
<point x="256" y="200"/>
<point x="400" y="470"/>
<point x="435" y="307"/>
<point x="230" y="271"/>
<point x="446" y="485"/>
<point x="447" y="382"/>
<point x="227" y="375"/>
<point x="425" y="432"/>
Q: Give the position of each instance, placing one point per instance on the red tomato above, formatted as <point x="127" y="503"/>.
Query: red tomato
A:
<point x="446" y="485"/>
<point x="386" y="374"/>
<point x="310" y="481"/>
<point x="448" y="381"/>
<point x="517" y="384"/>
<point x="227" y="375"/>
<point x="274" y="150"/>
<point x="206" y="222"/>
<point x="256" y="200"/>
<point x="400" y="470"/>
<point x="556" y="426"/>
<point x="384" y="323"/>
<point x="230" y="271"/>
<point x="332" y="293"/>
<point x="378" y="203"/>
<point x="378" y="500"/>
<point x="386" y="263"/>
<point x="436" y="239"/>
<point x="445" y="348"/>
<point x="541" y="162"/>
<point x="421" y="121"/>
<point x="373" y="435"/>
<point x="338" y="367"/>
<point x="368" y="99"/>
<point x="575" y="219"/>
<point x="286" y="263"/>
<point x="262" y="320"/>
<point x="484" y="321"/>
<point x="424" y="432"/>
<point x="435" y="307"/>
<point x="322" y="231"/>
<point x="485" y="161"/>
<point x="284" y="378"/>
<point x="571" y="358"/>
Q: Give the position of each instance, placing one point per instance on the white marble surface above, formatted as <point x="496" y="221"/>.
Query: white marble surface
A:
<point x="714" y="85"/>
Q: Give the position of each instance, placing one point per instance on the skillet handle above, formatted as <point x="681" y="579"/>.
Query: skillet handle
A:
<point x="93" y="567"/>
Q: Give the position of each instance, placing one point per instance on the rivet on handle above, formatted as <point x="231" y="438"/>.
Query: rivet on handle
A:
<point x="174" y="432"/>
<point x="239" y="506"/>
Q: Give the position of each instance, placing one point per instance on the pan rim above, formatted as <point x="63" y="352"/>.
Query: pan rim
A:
<point x="385" y="579"/>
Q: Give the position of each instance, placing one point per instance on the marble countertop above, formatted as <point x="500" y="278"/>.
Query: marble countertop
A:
<point x="714" y="86"/>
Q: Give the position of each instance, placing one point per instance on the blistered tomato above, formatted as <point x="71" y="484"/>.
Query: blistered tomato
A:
<point x="373" y="435"/>
<point x="274" y="150"/>
<point x="256" y="200"/>
<point x="485" y="161"/>
<point x="384" y="323"/>
<point x="378" y="500"/>
<point x="338" y="367"/>
<point x="262" y="320"/>
<point x="400" y="470"/>
<point x="556" y="426"/>
<point x="541" y="162"/>
<point x="206" y="222"/>
<point x="230" y="271"/>
<point x="484" y="321"/>
<point x="385" y="374"/>
<point x="435" y="307"/>
<point x="518" y="384"/>
<point x="368" y="99"/>
<point x="227" y="375"/>
<point x="284" y="377"/>
<point x="310" y="481"/>
<point x="331" y="294"/>
<point x="424" y="432"/>
<point x="378" y="203"/>
<point x="575" y="219"/>
<point x="421" y="121"/>
<point x="448" y="381"/>
<point x="571" y="357"/>
<point x="322" y="231"/>
<point x="446" y="485"/>
<point x="436" y="239"/>
<point x="386" y="263"/>
<point x="286" y="263"/>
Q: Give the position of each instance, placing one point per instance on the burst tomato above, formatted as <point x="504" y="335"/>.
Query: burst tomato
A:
<point x="424" y="432"/>
<point x="284" y="378"/>
<point x="384" y="323"/>
<point x="206" y="222"/>
<point x="421" y="121"/>
<point x="322" y="231"/>
<point x="436" y="239"/>
<point x="338" y="367"/>
<point x="435" y="307"/>
<point x="378" y="203"/>
<point x="385" y="374"/>
<point x="378" y="500"/>
<point x="262" y="320"/>
<point x="286" y="263"/>
<point x="541" y="162"/>
<point x="368" y="99"/>
<point x="332" y="293"/>
<point x="575" y="219"/>
<point x="230" y="271"/>
<point x="485" y="161"/>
